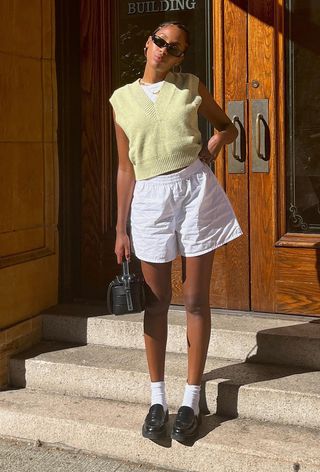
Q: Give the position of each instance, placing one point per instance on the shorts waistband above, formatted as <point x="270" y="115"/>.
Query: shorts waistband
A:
<point x="175" y="176"/>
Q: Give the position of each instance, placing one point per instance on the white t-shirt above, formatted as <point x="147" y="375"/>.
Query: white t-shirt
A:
<point x="152" y="90"/>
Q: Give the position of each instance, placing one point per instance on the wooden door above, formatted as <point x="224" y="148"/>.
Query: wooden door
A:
<point x="269" y="62"/>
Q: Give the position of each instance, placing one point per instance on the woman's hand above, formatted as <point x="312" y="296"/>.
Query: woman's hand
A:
<point x="226" y="131"/>
<point x="122" y="247"/>
<point x="211" y="149"/>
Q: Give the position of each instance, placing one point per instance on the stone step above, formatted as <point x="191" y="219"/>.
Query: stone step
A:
<point x="281" y="394"/>
<point x="114" y="429"/>
<point x="261" y="338"/>
<point x="18" y="455"/>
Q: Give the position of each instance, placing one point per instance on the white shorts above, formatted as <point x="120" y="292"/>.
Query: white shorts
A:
<point x="186" y="212"/>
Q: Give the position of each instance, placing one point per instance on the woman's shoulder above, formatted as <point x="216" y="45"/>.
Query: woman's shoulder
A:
<point x="184" y="76"/>
<point x="186" y="80"/>
<point x="123" y="90"/>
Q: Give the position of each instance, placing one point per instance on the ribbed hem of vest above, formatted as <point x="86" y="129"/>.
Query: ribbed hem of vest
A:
<point x="165" y="164"/>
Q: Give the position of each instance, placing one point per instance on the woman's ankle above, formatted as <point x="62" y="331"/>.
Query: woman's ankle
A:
<point x="158" y="394"/>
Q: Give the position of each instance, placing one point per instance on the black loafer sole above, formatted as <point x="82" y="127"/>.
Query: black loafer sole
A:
<point x="184" y="437"/>
<point x="189" y="434"/>
<point x="155" y="432"/>
<point x="159" y="434"/>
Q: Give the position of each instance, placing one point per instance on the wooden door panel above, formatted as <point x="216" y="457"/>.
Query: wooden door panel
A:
<point x="236" y="264"/>
<point x="301" y="298"/>
<point x="297" y="280"/>
<point x="304" y="267"/>
<point x="262" y="186"/>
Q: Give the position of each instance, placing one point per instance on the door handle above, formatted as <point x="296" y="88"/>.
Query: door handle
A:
<point x="236" y="150"/>
<point x="260" y="139"/>
<point x="258" y="136"/>
<point x="236" y="121"/>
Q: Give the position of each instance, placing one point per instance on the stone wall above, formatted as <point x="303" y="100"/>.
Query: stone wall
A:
<point x="28" y="161"/>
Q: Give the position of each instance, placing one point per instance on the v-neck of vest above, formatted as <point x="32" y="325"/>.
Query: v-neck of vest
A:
<point x="163" y="98"/>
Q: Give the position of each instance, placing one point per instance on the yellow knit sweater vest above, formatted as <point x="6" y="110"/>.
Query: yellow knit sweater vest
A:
<point x="163" y="136"/>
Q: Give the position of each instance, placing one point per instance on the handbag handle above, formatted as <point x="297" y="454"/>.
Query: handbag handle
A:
<point x="126" y="279"/>
<point x="126" y="272"/>
<point x="109" y="307"/>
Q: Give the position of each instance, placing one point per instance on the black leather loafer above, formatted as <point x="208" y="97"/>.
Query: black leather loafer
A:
<point x="154" y="426"/>
<point x="186" y="425"/>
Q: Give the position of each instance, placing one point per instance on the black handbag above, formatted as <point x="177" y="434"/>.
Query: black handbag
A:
<point x="125" y="293"/>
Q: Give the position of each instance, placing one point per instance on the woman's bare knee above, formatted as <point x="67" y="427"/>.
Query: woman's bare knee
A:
<point x="196" y="305"/>
<point x="158" y="287"/>
<point x="157" y="304"/>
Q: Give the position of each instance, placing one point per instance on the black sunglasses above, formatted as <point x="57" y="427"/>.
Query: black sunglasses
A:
<point x="171" y="48"/>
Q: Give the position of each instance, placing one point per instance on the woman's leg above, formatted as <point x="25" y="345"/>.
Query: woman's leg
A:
<point x="158" y="297"/>
<point x="196" y="274"/>
<point x="196" y="285"/>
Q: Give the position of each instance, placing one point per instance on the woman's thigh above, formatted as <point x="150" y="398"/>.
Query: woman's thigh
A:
<point x="158" y="283"/>
<point x="196" y="276"/>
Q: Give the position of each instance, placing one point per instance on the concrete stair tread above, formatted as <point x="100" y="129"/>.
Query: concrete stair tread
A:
<point x="244" y="374"/>
<point x="114" y="429"/>
<point x="244" y="322"/>
<point x="290" y="341"/>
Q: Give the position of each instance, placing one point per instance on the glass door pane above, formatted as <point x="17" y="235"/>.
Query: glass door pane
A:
<point x="303" y="115"/>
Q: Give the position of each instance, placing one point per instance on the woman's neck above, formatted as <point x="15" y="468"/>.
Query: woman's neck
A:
<point x="152" y="76"/>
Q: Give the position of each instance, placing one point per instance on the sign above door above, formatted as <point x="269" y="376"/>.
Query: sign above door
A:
<point x="160" y="6"/>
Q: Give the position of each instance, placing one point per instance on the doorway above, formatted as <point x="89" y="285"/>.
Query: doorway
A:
<point x="270" y="174"/>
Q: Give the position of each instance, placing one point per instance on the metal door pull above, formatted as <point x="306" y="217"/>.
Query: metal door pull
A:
<point x="237" y="149"/>
<point x="260" y="139"/>
<point x="235" y="120"/>
<point x="258" y="135"/>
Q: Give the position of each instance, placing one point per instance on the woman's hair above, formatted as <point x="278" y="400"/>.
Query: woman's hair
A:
<point x="179" y="25"/>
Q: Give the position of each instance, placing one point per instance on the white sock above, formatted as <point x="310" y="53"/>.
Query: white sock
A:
<point x="191" y="397"/>
<point x="158" y="394"/>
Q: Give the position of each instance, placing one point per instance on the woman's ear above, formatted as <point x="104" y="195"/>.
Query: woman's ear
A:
<point x="145" y="49"/>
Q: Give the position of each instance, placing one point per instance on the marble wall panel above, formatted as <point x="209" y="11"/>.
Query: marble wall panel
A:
<point x="21" y="118"/>
<point x="21" y="27"/>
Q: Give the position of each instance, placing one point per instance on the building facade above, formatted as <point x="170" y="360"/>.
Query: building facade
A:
<point x="60" y="63"/>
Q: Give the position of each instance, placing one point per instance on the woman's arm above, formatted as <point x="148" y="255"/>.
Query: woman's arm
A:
<point x="227" y="132"/>
<point x="125" y="186"/>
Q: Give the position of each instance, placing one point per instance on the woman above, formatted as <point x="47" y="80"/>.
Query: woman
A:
<point x="177" y="207"/>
